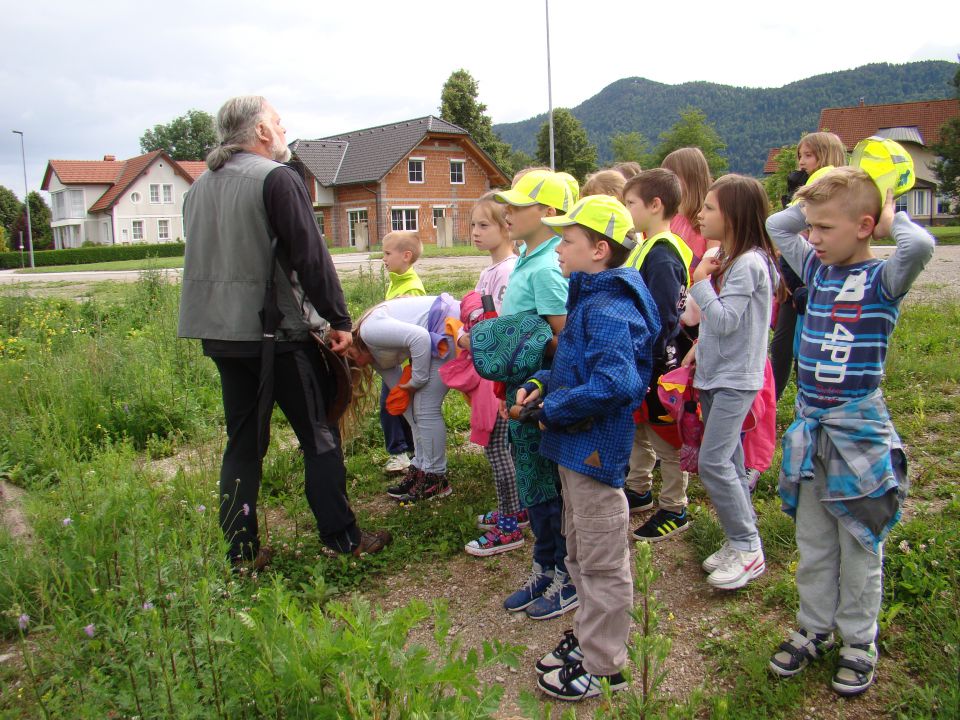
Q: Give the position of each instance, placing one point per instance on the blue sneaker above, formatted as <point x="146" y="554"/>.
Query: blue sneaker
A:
<point x="557" y="599"/>
<point x="532" y="588"/>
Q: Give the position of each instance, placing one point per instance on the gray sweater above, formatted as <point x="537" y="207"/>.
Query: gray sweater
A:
<point x="734" y="325"/>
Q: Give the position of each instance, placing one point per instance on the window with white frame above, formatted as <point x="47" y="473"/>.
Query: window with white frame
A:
<point x="457" y="173"/>
<point x="415" y="170"/>
<point x="163" y="230"/>
<point x="920" y="202"/>
<point x="403" y="218"/>
<point x="155" y="193"/>
<point x="137" y="230"/>
<point x="59" y="205"/>
<point x="76" y="203"/>
<point x="168" y="194"/>
<point x="135" y="197"/>
<point x="901" y="204"/>
<point x="319" y="217"/>
<point x="353" y="218"/>
<point x="438" y="212"/>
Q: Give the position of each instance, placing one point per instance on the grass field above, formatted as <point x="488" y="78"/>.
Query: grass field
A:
<point x="119" y="602"/>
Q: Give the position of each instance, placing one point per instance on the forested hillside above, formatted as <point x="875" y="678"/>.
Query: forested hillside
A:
<point x="750" y="120"/>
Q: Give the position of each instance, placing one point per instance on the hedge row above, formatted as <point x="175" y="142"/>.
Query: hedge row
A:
<point x="81" y="256"/>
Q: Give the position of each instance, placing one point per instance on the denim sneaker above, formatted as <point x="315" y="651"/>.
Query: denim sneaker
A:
<point x="638" y="502"/>
<point x="532" y="588"/>
<point x="662" y="525"/>
<point x="565" y="653"/>
<point x="557" y="599"/>
<point x="573" y="682"/>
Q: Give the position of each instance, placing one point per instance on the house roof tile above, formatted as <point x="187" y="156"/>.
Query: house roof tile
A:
<point x="118" y="174"/>
<point x="369" y="154"/>
<point x="771" y="165"/>
<point x="373" y="152"/>
<point x="853" y="124"/>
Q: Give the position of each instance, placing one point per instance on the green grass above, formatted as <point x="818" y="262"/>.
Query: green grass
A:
<point x="945" y="235"/>
<point x="114" y="426"/>
<point x="432" y="251"/>
<point x="145" y="264"/>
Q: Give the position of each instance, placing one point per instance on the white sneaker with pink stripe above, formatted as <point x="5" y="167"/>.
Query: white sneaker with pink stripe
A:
<point x="737" y="568"/>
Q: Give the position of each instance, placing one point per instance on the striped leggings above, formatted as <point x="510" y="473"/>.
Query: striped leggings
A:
<point x="501" y="462"/>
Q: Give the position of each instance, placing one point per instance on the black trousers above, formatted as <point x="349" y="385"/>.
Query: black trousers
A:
<point x="781" y="347"/>
<point x="301" y="388"/>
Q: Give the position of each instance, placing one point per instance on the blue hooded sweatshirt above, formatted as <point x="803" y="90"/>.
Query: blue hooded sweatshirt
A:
<point x="600" y="373"/>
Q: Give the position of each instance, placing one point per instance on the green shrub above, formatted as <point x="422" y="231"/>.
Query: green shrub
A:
<point x="94" y="254"/>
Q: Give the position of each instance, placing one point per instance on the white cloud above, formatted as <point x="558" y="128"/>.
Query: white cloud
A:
<point x="85" y="80"/>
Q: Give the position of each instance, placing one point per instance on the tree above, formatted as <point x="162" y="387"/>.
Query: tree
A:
<point x="459" y="105"/>
<point x="947" y="150"/>
<point x="693" y="130"/>
<point x="188" y="137"/>
<point x="40" y="229"/>
<point x="630" y="147"/>
<point x="10" y="208"/>
<point x="776" y="183"/>
<point x="4" y="240"/>
<point x="517" y="160"/>
<point x="573" y="152"/>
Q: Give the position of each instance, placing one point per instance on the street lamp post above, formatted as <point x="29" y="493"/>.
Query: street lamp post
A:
<point x="26" y="195"/>
<point x="549" y="86"/>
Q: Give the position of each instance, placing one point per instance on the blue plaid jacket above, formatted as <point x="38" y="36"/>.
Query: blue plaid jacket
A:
<point x="866" y="469"/>
<point x="600" y="373"/>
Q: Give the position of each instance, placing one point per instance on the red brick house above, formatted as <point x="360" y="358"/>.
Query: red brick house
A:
<point x="402" y="176"/>
<point x="916" y="126"/>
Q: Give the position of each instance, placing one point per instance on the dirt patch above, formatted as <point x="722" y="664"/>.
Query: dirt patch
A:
<point x="12" y="516"/>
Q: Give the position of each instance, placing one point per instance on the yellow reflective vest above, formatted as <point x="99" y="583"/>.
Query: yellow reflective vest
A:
<point x="641" y="251"/>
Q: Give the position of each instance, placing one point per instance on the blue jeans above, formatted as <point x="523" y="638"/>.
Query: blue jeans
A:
<point x="549" y="544"/>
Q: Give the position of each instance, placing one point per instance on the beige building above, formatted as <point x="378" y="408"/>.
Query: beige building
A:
<point x="110" y="201"/>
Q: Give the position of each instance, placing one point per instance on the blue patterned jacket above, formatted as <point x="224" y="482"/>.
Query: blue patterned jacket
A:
<point x="866" y="469"/>
<point x="599" y="374"/>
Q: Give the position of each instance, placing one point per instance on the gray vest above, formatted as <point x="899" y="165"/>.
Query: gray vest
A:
<point x="227" y="258"/>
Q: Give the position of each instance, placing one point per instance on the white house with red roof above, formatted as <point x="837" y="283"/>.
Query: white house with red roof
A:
<point x="112" y="201"/>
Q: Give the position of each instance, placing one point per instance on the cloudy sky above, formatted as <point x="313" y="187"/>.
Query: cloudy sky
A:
<point x="86" y="79"/>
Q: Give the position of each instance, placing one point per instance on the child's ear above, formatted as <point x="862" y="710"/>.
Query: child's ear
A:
<point x="601" y="249"/>
<point x="866" y="227"/>
<point x="551" y="211"/>
<point x="655" y="205"/>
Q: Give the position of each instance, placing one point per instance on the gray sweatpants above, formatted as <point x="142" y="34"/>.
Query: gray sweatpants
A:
<point x="721" y="464"/>
<point x="425" y="415"/>
<point x="840" y="582"/>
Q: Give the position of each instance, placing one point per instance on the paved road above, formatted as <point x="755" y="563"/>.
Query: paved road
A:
<point x="346" y="264"/>
<point x="943" y="271"/>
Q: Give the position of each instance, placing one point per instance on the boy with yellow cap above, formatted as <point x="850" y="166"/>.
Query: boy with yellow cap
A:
<point x="600" y="374"/>
<point x="537" y="286"/>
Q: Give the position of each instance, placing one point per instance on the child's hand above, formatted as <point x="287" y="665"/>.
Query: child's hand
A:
<point x="523" y="397"/>
<point x="406" y="386"/>
<point x="502" y="409"/>
<point x="690" y="358"/>
<point x="707" y="267"/>
<point x="340" y="340"/>
<point x="885" y="223"/>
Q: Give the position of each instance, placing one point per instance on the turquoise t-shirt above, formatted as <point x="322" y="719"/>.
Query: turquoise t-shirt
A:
<point x="536" y="283"/>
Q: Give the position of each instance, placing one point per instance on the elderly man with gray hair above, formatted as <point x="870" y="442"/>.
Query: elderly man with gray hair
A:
<point x="257" y="282"/>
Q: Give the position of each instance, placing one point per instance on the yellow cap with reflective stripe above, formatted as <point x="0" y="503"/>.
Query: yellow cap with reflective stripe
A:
<point x="539" y="186"/>
<point x="602" y="213"/>
<point x="887" y="164"/>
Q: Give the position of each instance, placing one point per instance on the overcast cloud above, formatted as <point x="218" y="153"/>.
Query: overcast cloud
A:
<point x="82" y="80"/>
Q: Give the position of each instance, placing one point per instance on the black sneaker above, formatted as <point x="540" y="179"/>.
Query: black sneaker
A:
<point x="662" y="525"/>
<point x="403" y="487"/>
<point x="638" y="502"/>
<point x="565" y="653"/>
<point x="429" y="485"/>
<point x="572" y="683"/>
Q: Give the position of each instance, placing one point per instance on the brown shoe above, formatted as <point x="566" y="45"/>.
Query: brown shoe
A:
<point x="258" y="564"/>
<point x="372" y="542"/>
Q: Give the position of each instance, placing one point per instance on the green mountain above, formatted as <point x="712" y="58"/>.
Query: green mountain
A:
<point x="750" y="120"/>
